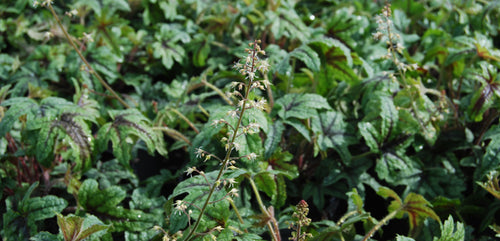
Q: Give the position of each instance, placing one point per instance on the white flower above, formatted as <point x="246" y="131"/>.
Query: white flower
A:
<point x="236" y="146"/>
<point x="234" y="192"/>
<point x="46" y="3"/>
<point x="219" y="228"/>
<point x="231" y="182"/>
<point x="199" y="152"/>
<point x="87" y="38"/>
<point x="72" y="13"/>
<point x="252" y="156"/>
<point x="180" y="207"/>
<point x="413" y="66"/>
<point x="263" y="65"/>
<point x="251" y="76"/>
<point x="190" y="170"/>
<point x="48" y="35"/>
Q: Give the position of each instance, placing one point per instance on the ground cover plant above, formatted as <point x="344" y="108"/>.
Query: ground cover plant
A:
<point x="249" y="120"/>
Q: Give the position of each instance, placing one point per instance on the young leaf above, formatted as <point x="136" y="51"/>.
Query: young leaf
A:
<point x="450" y="232"/>
<point x="418" y="210"/>
<point x="73" y="228"/>
<point x="166" y="46"/>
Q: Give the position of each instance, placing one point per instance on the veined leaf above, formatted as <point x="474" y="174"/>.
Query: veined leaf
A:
<point x="20" y="219"/>
<point x="307" y="55"/>
<point x="78" y="134"/>
<point x="167" y="47"/>
<point x="332" y="132"/>
<point x="127" y="124"/>
<point x="284" y="22"/>
<point x="18" y="106"/>
<point x="273" y="138"/>
<point x="415" y="205"/>
<point x="106" y="202"/>
<point x="265" y="182"/>
<point x="418" y="210"/>
<point x="300" y="106"/>
<point x="73" y="227"/>
<point x="91" y="198"/>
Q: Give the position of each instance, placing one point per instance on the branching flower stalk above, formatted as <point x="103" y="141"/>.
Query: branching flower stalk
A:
<point x="48" y="4"/>
<point x="384" y="31"/>
<point x="249" y="68"/>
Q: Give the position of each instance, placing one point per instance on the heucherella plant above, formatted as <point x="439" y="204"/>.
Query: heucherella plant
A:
<point x="411" y="93"/>
<point x="213" y="192"/>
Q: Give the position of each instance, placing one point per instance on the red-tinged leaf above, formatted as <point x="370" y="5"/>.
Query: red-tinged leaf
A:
<point x="418" y="210"/>
<point x="386" y="192"/>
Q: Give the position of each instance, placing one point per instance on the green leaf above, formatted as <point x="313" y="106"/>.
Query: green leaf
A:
<point x="451" y="231"/>
<point x="300" y="106"/>
<point x="107" y="201"/>
<point x="285" y="22"/>
<point x="333" y="132"/>
<point x="118" y="4"/>
<point x="266" y="183"/>
<point x="126" y="125"/>
<point x="40" y="208"/>
<point x="169" y="9"/>
<point x="307" y="55"/>
<point x="91" y="198"/>
<point x="46" y="236"/>
<point x="386" y="192"/>
<point x="73" y="227"/>
<point x="273" y="138"/>
<point x="370" y="134"/>
<point x="418" y="210"/>
<point x="19" y="221"/>
<point x="166" y="46"/>
<point x="356" y="199"/>
<point x="18" y="106"/>
<point x="197" y="189"/>
<point x="403" y="238"/>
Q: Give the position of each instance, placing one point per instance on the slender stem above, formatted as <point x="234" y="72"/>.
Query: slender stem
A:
<point x="346" y="216"/>
<point x="186" y="120"/>
<point x="173" y="133"/>
<point x="380" y="224"/>
<point x="263" y="209"/>
<point x="236" y="211"/>
<point x="228" y="153"/>
<point x="211" y="86"/>
<point x="91" y="70"/>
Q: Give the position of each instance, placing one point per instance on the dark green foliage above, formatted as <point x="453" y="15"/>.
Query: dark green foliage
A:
<point x="413" y="116"/>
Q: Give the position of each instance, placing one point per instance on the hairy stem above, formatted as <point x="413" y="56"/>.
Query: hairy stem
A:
<point x="91" y="70"/>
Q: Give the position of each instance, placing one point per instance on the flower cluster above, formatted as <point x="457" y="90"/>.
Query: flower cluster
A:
<point x="385" y="31"/>
<point x="301" y="220"/>
<point x="43" y="3"/>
